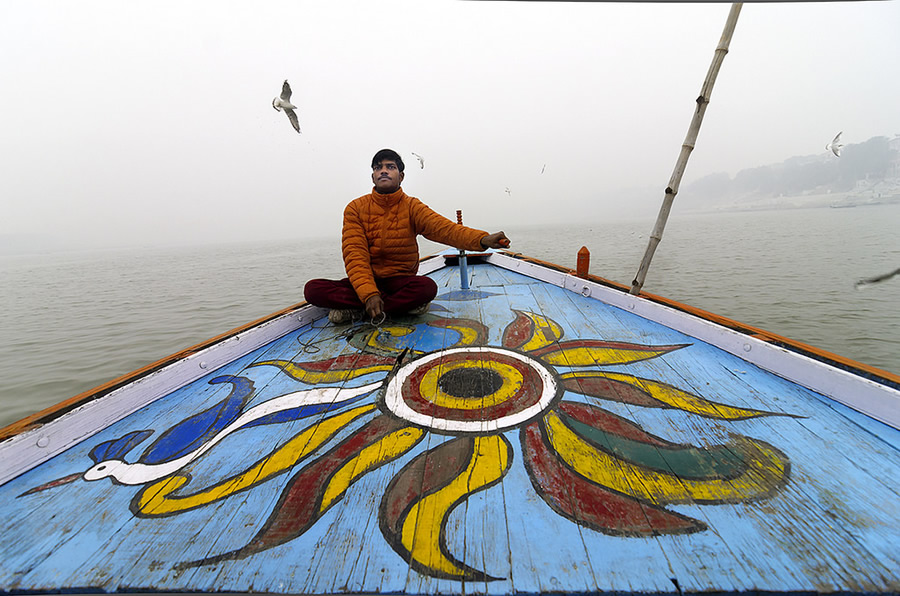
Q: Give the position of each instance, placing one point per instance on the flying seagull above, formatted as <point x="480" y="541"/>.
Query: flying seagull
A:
<point x="835" y="145"/>
<point x="507" y="191"/>
<point x="421" y="161"/>
<point x="284" y="102"/>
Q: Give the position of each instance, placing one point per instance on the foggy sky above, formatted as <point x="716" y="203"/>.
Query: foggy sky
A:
<point x="151" y="122"/>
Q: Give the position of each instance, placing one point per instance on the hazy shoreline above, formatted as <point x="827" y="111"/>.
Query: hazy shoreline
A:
<point x="811" y="201"/>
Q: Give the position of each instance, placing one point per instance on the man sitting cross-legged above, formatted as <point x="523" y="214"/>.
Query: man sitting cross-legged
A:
<point x="381" y="255"/>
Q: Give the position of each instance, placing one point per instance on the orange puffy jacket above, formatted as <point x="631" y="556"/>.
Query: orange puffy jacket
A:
<point x="379" y="237"/>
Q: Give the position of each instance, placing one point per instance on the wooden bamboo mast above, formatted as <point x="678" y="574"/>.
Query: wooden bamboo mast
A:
<point x="688" y="146"/>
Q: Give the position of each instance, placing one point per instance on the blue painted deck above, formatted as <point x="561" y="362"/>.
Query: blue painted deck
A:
<point x="560" y="445"/>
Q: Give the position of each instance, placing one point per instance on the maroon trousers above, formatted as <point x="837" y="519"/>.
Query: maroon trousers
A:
<point x="400" y="294"/>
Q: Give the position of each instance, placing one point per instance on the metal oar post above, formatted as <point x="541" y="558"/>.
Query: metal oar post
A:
<point x="688" y="146"/>
<point x="463" y="273"/>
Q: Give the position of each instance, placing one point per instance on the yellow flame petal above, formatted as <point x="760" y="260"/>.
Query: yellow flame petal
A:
<point x="595" y="355"/>
<point x="393" y="445"/>
<point x="421" y="532"/>
<point x="314" y="377"/>
<point x="546" y="331"/>
<point x="683" y="400"/>
<point x="468" y="335"/>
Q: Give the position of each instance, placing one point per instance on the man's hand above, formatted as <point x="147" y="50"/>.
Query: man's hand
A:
<point x="496" y="240"/>
<point x="374" y="306"/>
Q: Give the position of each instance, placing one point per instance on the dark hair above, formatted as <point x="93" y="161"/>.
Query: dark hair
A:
<point x="389" y="154"/>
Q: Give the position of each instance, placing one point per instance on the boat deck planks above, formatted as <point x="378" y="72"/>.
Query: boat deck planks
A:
<point x="664" y="465"/>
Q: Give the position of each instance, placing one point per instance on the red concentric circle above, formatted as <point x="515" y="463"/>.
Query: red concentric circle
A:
<point x="475" y="389"/>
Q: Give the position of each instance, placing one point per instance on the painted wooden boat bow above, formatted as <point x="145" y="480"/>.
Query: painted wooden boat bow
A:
<point x="538" y="431"/>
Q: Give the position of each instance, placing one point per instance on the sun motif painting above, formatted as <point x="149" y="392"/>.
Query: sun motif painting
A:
<point x="447" y="420"/>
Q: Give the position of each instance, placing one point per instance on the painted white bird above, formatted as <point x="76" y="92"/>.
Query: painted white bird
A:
<point x="284" y="103"/>
<point x="139" y="473"/>
<point x="421" y="161"/>
<point x="835" y="145"/>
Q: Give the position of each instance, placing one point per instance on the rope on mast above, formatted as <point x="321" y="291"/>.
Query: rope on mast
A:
<point x="686" y="148"/>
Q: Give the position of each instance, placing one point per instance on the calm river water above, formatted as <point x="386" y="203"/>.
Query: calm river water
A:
<point x="71" y="321"/>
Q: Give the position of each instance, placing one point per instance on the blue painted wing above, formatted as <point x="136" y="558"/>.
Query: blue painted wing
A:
<point x="302" y="412"/>
<point x="117" y="448"/>
<point x="191" y="433"/>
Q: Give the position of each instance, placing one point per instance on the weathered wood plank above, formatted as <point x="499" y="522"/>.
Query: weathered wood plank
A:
<point x="496" y="515"/>
<point x="356" y="534"/>
<point x="543" y="527"/>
